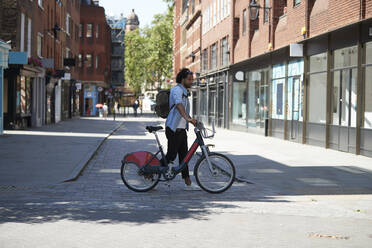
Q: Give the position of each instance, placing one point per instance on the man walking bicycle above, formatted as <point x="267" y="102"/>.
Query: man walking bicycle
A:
<point x="178" y="122"/>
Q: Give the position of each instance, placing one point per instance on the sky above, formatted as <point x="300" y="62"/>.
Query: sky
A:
<point x="145" y="9"/>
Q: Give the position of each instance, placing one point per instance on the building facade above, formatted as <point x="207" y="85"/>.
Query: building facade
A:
<point x="39" y="80"/>
<point x="94" y="59"/>
<point x="299" y="70"/>
<point x="117" y="58"/>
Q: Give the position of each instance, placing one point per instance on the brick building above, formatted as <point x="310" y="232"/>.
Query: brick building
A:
<point x="296" y="69"/>
<point x="38" y="85"/>
<point x="94" y="59"/>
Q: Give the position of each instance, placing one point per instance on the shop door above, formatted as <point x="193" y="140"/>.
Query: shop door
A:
<point x="344" y="108"/>
<point x="295" y="108"/>
<point x="221" y="102"/>
<point x="212" y="106"/>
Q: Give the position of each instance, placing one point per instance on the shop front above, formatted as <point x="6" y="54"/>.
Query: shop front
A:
<point x="250" y="97"/>
<point x="323" y="98"/>
<point x="4" y="54"/>
<point x="209" y="99"/>
<point x="25" y="88"/>
<point x="91" y="97"/>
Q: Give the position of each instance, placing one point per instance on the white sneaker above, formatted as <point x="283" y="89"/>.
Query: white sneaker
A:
<point x="192" y="187"/>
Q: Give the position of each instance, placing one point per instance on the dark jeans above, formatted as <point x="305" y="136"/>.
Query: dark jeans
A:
<point x="177" y="144"/>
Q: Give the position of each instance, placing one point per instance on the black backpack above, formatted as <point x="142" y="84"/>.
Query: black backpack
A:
<point x="162" y="108"/>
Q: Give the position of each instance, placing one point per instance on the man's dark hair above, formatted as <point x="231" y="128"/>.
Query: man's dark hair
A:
<point x="183" y="74"/>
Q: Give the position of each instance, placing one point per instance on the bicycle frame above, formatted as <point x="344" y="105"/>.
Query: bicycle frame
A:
<point x="199" y="142"/>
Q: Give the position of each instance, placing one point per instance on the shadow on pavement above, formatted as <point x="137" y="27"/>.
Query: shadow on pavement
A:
<point x="100" y="196"/>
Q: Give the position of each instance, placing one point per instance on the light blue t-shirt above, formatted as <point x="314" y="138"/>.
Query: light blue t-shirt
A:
<point x="178" y="94"/>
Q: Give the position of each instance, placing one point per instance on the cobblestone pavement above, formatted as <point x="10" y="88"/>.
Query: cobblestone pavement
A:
<point x="98" y="210"/>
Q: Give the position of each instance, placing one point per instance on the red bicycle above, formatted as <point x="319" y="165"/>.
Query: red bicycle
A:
<point x="141" y="171"/>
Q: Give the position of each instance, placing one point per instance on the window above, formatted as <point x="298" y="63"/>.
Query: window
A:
<point x="80" y="30"/>
<point x="97" y="61"/>
<point x="40" y="3"/>
<point x="278" y="91"/>
<point x="266" y="11"/>
<point x="344" y="90"/>
<point x="80" y="60"/>
<point x="68" y="24"/>
<point x="185" y="4"/>
<point x="239" y="111"/>
<point x="213" y="61"/>
<point x="244" y="21"/>
<point x="224" y="52"/>
<point x="205" y="60"/>
<point x="183" y="37"/>
<point x="29" y="37"/>
<point x="296" y="2"/>
<point x="97" y="31"/>
<point x="67" y="53"/>
<point x="22" y="45"/>
<point x="368" y="88"/>
<point x="89" y="30"/>
<point x="317" y="88"/>
<point x="88" y="60"/>
<point x="39" y="44"/>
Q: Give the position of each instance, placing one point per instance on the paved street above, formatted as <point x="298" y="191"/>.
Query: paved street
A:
<point x="301" y="196"/>
<point x="50" y="154"/>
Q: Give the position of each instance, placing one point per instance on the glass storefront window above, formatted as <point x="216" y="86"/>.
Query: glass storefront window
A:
<point x="317" y="98"/>
<point x="317" y="95"/>
<point x="277" y="92"/>
<point x="203" y="102"/>
<point x="318" y="62"/>
<point x="254" y="98"/>
<point x="368" y="88"/>
<point x="23" y="101"/>
<point x="368" y="98"/>
<point x="344" y="98"/>
<point x="239" y="114"/>
<point x="346" y="57"/>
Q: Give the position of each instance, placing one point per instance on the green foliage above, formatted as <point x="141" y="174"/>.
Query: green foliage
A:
<point x="149" y="51"/>
<point x="135" y="60"/>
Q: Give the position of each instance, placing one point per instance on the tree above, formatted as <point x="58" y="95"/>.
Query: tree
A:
<point x="135" y="60"/>
<point x="149" y="51"/>
<point x="160" y="37"/>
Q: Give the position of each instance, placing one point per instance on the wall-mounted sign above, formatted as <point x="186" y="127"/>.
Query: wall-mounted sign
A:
<point x="78" y="86"/>
<point x="239" y="76"/>
<point x="296" y="50"/>
<point x="18" y="58"/>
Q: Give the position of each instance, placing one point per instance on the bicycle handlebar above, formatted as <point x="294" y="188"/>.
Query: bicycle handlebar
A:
<point x="204" y="130"/>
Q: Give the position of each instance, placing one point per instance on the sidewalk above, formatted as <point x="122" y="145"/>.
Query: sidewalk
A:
<point x="51" y="154"/>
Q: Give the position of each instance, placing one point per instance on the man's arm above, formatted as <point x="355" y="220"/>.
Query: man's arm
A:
<point x="177" y="95"/>
<point x="182" y="111"/>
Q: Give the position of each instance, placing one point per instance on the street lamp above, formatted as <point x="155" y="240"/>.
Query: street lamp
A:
<point x="254" y="8"/>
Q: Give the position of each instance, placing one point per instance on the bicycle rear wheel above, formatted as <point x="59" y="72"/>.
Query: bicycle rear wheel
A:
<point x="135" y="180"/>
<point x="218" y="180"/>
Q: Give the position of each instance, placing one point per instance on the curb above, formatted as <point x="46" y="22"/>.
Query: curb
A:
<point x="77" y="172"/>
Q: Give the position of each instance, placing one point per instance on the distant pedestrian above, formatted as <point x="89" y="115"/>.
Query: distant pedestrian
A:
<point x="135" y="107"/>
<point x="119" y="106"/>
<point x="105" y="110"/>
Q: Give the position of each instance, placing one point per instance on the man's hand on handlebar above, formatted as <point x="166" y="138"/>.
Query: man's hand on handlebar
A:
<point x="192" y="121"/>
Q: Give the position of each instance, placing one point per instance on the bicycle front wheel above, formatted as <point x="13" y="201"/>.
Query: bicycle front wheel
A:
<point x="217" y="179"/>
<point x="135" y="180"/>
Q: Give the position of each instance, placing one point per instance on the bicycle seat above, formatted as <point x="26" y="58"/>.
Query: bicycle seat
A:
<point x="153" y="128"/>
